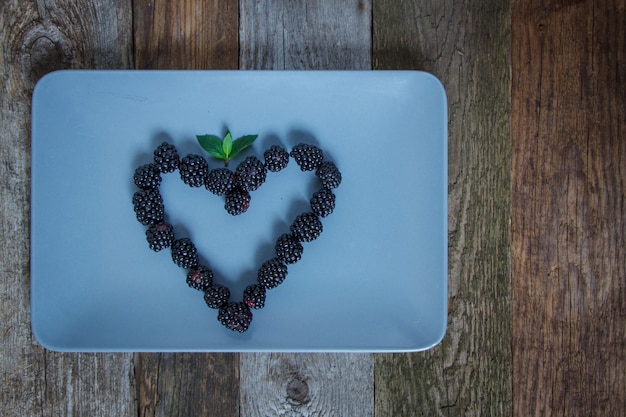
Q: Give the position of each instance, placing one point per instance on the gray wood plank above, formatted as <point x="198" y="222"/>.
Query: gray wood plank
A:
<point x="38" y="37"/>
<point x="300" y="34"/>
<point x="280" y="384"/>
<point x="306" y="35"/>
<point x="466" y="45"/>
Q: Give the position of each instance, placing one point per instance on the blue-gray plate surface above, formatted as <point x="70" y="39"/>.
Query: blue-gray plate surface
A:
<point x="374" y="281"/>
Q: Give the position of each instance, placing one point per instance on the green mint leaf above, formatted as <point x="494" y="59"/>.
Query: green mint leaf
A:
<point x="227" y="144"/>
<point x="212" y="144"/>
<point x="242" y="143"/>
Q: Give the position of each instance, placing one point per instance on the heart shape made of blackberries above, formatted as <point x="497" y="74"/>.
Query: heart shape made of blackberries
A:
<point x="235" y="186"/>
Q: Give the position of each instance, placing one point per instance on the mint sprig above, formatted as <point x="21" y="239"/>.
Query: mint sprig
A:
<point x="225" y="148"/>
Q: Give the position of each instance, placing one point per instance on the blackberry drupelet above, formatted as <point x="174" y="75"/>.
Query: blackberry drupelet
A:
<point x="147" y="177"/>
<point x="166" y="158"/>
<point x="328" y="173"/>
<point x="250" y="174"/>
<point x="254" y="296"/>
<point x="272" y="273"/>
<point x="216" y="296"/>
<point x="219" y="181"/>
<point x="308" y="157"/>
<point x="148" y="206"/>
<point x="184" y="253"/>
<point x="237" y="201"/>
<point x="200" y="278"/>
<point x="288" y="249"/>
<point x="323" y="202"/>
<point x="235" y="316"/>
<point x="306" y="227"/>
<point x="193" y="170"/>
<point x="276" y="158"/>
<point x="160" y="236"/>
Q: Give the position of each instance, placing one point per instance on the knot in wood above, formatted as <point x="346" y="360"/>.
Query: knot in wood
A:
<point x="298" y="391"/>
<point x="46" y="49"/>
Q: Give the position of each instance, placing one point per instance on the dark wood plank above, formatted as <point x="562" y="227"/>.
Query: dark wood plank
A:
<point x="569" y="212"/>
<point x="186" y="34"/>
<point x="37" y="38"/>
<point x="306" y="35"/>
<point x="187" y="384"/>
<point x="466" y="45"/>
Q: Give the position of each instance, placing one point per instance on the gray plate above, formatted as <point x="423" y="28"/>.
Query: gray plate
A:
<point x="374" y="281"/>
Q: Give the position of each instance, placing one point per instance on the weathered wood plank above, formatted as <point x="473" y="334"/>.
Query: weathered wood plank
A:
<point x="569" y="212"/>
<point x="186" y="34"/>
<point x="280" y="384"/>
<point x="306" y="35"/>
<point x="38" y="37"/>
<point x="299" y="34"/>
<point x="466" y="45"/>
<point x="187" y="384"/>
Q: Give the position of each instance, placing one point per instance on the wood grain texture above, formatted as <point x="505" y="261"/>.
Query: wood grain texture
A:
<point x="569" y="208"/>
<point x="187" y="384"/>
<point x="332" y="385"/>
<point x="300" y="34"/>
<point x="306" y="35"/>
<point x="466" y="45"/>
<point x="37" y="38"/>
<point x="186" y="34"/>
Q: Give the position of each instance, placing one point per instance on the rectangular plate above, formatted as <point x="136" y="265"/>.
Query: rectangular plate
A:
<point x="374" y="281"/>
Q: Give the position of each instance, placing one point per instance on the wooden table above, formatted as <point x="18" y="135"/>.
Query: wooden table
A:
<point x="537" y="213"/>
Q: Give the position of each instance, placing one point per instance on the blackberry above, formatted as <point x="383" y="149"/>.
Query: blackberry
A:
<point x="250" y="174"/>
<point x="235" y="316"/>
<point x="237" y="201"/>
<point x="254" y="296"/>
<point x="184" y="253"/>
<point x="216" y="296"/>
<point x="323" y="202"/>
<point x="148" y="206"/>
<point x="328" y="173"/>
<point x="166" y="158"/>
<point x="288" y="249"/>
<point x="308" y="157"/>
<point x="276" y="158"/>
<point x="219" y="181"/>
<point x="306" y="227"/>
<point x="160" y="236"/>
<point x="193" y="170"/>
<point x="200" y="278"/>
<point x="147" y="177"/>
<point x="272" y="273"/>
